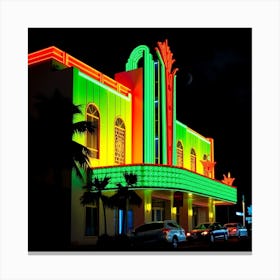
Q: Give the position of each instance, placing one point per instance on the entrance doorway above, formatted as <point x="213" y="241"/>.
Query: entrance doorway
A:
<point x="157" y="214"/>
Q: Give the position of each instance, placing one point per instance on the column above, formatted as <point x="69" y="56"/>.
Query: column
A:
<point x="148" y="205"/>
<point x="211" y="210"/>
<point x="190" y="212"/>
<point x="173" y="210"/>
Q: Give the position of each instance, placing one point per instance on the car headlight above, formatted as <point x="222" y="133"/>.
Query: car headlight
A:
<point x="204" y="233"/>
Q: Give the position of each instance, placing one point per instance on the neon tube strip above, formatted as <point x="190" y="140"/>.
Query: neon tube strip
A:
<point x="149" y="98"/>
<point x="163" y="110"/>
<point x="163" y="177"/>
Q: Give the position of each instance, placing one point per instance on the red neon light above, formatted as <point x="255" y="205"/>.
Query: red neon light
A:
<point x="166" y="55"/>
<point x="208" y="167"/>
<point x="133" y="79"/>
<point x="228" y="180"/>
<point x="70" y="61"/>
<point x="212" y="154"/>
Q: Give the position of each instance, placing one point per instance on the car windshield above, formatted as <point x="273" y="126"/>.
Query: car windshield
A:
<point x="202" y="226"/>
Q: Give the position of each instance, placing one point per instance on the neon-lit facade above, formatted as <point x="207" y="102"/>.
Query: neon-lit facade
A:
<point x="136" y="131"/>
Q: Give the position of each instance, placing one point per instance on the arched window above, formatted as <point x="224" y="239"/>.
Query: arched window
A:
<point x="119" y="141"/>
<point x="180" y="154"/>
<point x="93" y="138"/>
<point x="193" y="160"/>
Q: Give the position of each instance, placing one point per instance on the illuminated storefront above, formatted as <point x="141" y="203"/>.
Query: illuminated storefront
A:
<point x="136" y="131"/>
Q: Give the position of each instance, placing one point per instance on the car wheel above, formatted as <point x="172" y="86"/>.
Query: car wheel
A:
<point x="174" y="243"/>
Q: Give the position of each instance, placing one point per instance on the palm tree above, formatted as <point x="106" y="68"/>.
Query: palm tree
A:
<point x="125" y="196"/>
<point x="55" y="128"/>
<point x="52" y="156"/>
<point x="94" y="193"/>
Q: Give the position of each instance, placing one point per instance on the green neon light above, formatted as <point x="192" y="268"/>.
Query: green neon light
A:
<point x="169" y="178"/>
<point x="149" y="98"/>
<point x="110" y="104"/>
<point x="135" y="55"/>
<point x="192" y="132"/>
<point x="199" y="136"/>
<point x="128" y="98"/>
<point x="192" y="140"/>
<point x="159" y="115"/>
<point x="174" y="159"/>
<point x="181" y="124"/>
<point x="163" y="110"/>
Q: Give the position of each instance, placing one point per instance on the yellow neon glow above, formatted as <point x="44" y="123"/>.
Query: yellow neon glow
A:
<point x="148" y="207"/>
<point x="174" y="210"/>
<point x="110" y="104"/>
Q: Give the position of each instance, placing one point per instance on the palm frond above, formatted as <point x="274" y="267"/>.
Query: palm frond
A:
<point x="130" y="178"/>
<point x="80" y="154"/>
<point x="76" y="109"/>
<point x="100" y="184"/>
<point x="77" y="169"/>
<point x="124" y="194"/>
<point x="83" y="126"/>
<point x="89" y="198"/>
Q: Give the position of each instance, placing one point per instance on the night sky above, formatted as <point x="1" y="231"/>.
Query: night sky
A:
<point x="213" y="82"/>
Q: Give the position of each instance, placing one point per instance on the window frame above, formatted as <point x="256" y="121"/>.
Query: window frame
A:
<point x="180" y="153"/>
<point x="193" y="160"/>
<point x="95" y="150"/>
<point x="119" y="125"/>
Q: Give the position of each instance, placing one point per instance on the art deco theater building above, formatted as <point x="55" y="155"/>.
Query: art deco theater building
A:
<point x="136" y="131"/>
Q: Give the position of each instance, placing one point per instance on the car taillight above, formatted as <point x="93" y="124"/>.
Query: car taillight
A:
<point x="166" y="230"/>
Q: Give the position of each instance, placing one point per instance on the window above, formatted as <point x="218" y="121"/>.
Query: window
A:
<point x="91" y="221"/>
<point x="158" y="209"/>
<point x="180" y="154"/>
<point x="119" y="141"/>
<point x="193" y="160"/>
<point x="157" y="214"/>
<point x="93" y="138"/>
<point x="173" y="225"/>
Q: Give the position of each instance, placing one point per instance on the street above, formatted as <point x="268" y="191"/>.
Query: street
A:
<point x="232" y="245"/>
<point x="122" y="245"/>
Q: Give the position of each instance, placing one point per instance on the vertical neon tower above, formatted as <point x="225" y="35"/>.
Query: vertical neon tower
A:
<point x="159" y="103"/>
<point x="168" y="97"/>
<point x="149" y="99"/>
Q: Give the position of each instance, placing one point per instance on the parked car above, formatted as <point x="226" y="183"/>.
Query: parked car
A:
<point x="166" y="232"/>
<point x="236" y="230"/>
<point x="209" y="232"/>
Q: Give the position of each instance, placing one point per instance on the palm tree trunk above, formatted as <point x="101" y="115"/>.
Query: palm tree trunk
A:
<point x="105" y="221"/>
<point x="124" y="221"/>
